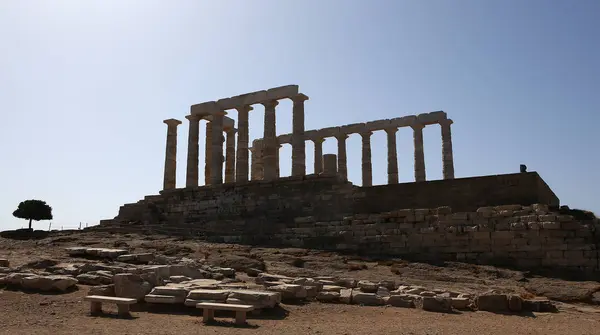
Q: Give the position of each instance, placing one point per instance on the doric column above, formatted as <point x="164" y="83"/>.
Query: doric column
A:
<point x="253" y="175"/>
<point x="269" y="141"/>
<point x="257" y="160"/>
<point x="447" y="157"/>
<point x="208" y="152"/>
<point x="419" y="153"/>
<point x="277" y="170"/>
<point x="341" y="156"/>
<point x="298" y="144"/>
<point x="191" y="178"/>
<point x="216" y="168"/>
<point x="230" y="156"/>
<point x="367" y="168"/>
<point x="392" y="168"/>
<point x="329" y="165"/>
<point x="241" y="168"/>
<point x="318" y="155"/>
<point x="169" y="180"/>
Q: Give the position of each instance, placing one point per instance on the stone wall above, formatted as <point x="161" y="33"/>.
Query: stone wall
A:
<point x="331" y="214"/>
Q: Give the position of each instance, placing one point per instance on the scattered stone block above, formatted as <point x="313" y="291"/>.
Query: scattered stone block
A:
<point x="129" y="285"/>
<point x="328" y="297"/>
<point x="214" y="295"/>
<point x="102" y="290"/>
<point x="367" y="286"/>
<point x="404" y="300"/>
<point x="428" y="294"/>
<point x="346" y="295"/>
<point x="93" y="279"/>
<point x="366" y="299"/>
<point x="515" y="303"/>
<point x="460" y="303"/>
<point x="434" y="304"/>
<point x="48" y="283"/>
<point x="163" y="299"/>
<point x="331" y="288"/>
<point x="492" y="302"/>
<point x="179" y="279"/>
<point x="258" y="299"/>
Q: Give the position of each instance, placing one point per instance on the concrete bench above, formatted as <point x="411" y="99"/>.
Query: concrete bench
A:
<point x="208" y="313"/>
<point x="97" y="300"/>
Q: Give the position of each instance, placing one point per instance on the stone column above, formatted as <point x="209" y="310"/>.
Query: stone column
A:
<point x="253" y="164"/>
<point x="298" y="143"/>
<point x="341" y="156"/>
<point x="329" y="165"/>
<point x="241" y="168"/>
<point x="419" y="153"/>
<point x="208" y="152"/>
<point x="230" y="156"/>
<point x="257" y="160"/>
<point x="447" y="156"/>
<point x="170" y="177"/>
<point x="277" y="170"/>
<point x="318" y="155"/>
<point x="392" y="168"/>
<point x="191" y="178"/>
<point x="367" y="168"/>
<point x="269" y="141"/>
<point x="216" y="167"/>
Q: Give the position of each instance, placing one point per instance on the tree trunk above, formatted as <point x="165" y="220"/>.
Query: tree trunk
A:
<point x="30" y="224"/>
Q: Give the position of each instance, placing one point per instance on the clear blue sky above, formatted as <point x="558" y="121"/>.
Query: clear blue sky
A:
<point x="85" y="85"/>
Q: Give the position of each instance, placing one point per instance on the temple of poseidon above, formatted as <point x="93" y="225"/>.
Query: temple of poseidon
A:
<point x="483" y="219"/>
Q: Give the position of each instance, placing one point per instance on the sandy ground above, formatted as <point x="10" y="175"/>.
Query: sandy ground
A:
<point x="34" y="313"/>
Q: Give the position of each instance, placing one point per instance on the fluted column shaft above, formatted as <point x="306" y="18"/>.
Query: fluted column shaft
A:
<point x="241" y="168"/>
<point x="419" y="152"/>
<point x="341" y="156"/>
<point x="318" y="155"/>
<point x="170" y="177"/>
<point x="230" y="156"/>
<point x="392" y="167"/>
<point x="216" y="168"/>
<point x="208" y="153"/>
<point x="298" y="143"/>
<point x="367" y="168"/>
<point x="277" y="170"/>
<point x="447" y="156"/>
<point x="270" y="141"/>
<point x="191" y="178"/>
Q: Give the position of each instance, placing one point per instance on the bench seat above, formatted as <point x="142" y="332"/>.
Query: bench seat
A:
<point x="97" y="301"/>
<point x="208" y="313"/>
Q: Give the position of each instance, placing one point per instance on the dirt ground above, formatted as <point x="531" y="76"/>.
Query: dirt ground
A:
<point x="34" y="313"/>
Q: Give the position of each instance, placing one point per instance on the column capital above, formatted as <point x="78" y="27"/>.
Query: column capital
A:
<point x="172" y="122"/>
<point x="231" y="131"/>
<point x="391" y="130"/>
<point x="318" y="140"/>
<point x="366" y="134"/>
<point x="341" y="136"/>
<point x="417" y="126"/>
<point x="193" y="118"/>
<point x="445" y="122"/>
<point x="244" y="108"/>
<point x="270" y="103"/>
<point x="300" y="97"/>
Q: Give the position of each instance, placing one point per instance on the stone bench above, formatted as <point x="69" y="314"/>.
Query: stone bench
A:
<point x="97" y="300"/>
<point x="208" y="313"/>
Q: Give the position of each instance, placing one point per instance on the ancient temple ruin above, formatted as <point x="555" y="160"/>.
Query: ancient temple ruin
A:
<point x="481" y="219"/>
<point x="265" y="151"/>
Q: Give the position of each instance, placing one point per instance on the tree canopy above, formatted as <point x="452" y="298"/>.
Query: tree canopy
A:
<point x="33" y="210"/>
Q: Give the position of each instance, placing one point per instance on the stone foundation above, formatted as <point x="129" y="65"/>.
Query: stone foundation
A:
<point x="329" y="213"/>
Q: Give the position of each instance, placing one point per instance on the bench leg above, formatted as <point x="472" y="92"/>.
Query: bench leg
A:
<point x="123" y="309"/>
<point x="208" y="315"/>
<point x="95" y="307"/>
<point x="240" y="318"/>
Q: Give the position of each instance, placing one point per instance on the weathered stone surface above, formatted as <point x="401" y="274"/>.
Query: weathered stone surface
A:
<point x="179" y="279"/>
<point x="93" y="279"/>
<point x="460" y="303"/>
<point x="131" y="286"/>
<point x="331" y="288"/>
<point x="402" y="300"/>
<point x="346" y="296"/>
<point x="164" y="299"/>
<point x="49" y="283"/>
<point x="515" y="303"/>
<point x="367" y="299"/>
<point x="215" y="295"/>
<point x="289" y="291"/>
<point x="434" y="304"/>
<point x="142" y="258"/>
<point x="4" y="262"/>
<point x="15" y="278"/>
<point x="170" y="291"/>
<point x="267" y="277"/>
<point x="328" y="296"/>
<point x="367" y="286"/>
<point x="102" y="290"/>
<point x="258" y="299"/>
<point x="492" y="302"/>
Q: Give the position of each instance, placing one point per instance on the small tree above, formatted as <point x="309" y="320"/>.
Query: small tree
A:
<point x="33" y="210"/>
